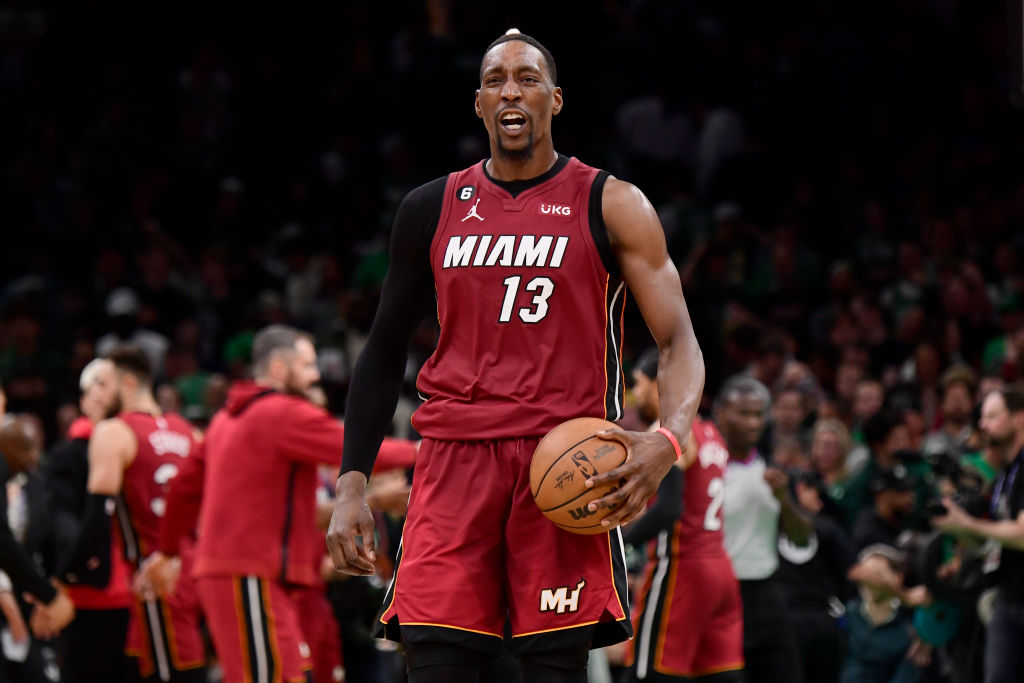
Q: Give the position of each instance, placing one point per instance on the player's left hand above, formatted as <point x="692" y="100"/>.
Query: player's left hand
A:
<point x="649" y="455"/>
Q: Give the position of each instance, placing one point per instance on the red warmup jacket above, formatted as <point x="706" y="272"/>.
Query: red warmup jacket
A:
<point x="255" y="474"/>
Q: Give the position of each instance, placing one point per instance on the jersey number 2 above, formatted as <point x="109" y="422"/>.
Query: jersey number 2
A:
<point x="542" y="285"/>
<point x="716" y="491"/>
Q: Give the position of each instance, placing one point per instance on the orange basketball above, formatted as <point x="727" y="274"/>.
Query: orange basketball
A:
<point x="565" y="458"/>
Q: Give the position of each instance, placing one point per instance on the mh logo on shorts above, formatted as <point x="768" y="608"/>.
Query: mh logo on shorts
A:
<point x="560" y="600"/>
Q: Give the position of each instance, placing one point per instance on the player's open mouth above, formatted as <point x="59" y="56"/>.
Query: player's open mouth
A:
<point x="512" y="121"/>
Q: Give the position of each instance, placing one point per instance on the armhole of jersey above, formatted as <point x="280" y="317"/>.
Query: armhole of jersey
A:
<point x="444" y="207"/>
<point x="598" y="231"/>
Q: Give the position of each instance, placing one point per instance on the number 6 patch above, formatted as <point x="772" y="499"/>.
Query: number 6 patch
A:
<point x="466" y="192"/>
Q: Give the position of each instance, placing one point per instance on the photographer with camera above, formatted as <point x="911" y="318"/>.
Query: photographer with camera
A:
<point x="1002" y="420"/>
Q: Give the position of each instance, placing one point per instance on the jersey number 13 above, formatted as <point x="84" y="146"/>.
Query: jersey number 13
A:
<point x="542" y="286"/>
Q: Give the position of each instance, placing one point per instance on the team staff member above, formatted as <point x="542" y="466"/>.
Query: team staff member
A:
<point x="133" y="457"/>
<point x="529" y="253"/>
<point x="260" y="454"/>
<point x="1002" y="420"/>
<point x="94" y="642"/>
<point x="54" y="609"/>
<point x="756" y="506"/>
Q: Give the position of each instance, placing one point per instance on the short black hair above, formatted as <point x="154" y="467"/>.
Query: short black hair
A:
<point x="647" y="363"/>
<point x="549" y="61"/>
<point x="133" y="360"/>
<point x="742" y="385"/>
<point x="878" y="427"/>
<point x="273" y="339"/>
<point x="1013" y="397"/>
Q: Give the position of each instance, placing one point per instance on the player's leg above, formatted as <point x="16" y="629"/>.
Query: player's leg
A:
<point x="447" y="601"/>
<point x="567" y="592"/>
<point x="254" y="628"/>
<point x="719" y="636"/>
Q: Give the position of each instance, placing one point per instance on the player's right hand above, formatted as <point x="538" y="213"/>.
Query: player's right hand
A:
<point x="350" y="520"/>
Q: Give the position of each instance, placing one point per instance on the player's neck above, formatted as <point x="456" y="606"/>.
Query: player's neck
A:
<point x="537" y="164"/>
<point x="142" y="403"/>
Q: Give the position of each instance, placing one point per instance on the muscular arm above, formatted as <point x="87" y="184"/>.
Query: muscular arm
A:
<point x="638" y="244"/>
<point x="377" y="379"/>
<point x="111" y="450"/>
<point x="407" y="292"/>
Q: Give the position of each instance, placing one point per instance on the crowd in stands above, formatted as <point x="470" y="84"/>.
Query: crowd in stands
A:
<point x="840" y="184"/>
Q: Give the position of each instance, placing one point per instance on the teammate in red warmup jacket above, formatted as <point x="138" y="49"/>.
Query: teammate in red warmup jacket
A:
<point x="524" y="258"/>
<point x="135" y="456"/>
<point x="260" y="454"/>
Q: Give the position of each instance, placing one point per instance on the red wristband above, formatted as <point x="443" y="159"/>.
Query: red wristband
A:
<point x="672" y="438"/>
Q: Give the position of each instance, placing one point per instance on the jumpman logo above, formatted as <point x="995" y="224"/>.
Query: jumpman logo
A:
<point x="472" y="212"/>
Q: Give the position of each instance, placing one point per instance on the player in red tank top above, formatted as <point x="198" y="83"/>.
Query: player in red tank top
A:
<point x="524" y="257"/>
<point x="135" y="456"/>
<point x="689" y="618"/>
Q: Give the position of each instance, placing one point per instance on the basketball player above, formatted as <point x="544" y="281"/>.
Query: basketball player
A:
<point x="134" y="457"/>
<point x="261" y="455"/>
<point x="528" y="253"/>
<point x="689" y="617"/>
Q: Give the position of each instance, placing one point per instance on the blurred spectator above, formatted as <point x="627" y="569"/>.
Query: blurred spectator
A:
<point x="893" y="504"/>
<point x="880" y="630"/>
<point x="812" y="580"/>
<point x="957" y="410"/>
<point x="123" y="311"/>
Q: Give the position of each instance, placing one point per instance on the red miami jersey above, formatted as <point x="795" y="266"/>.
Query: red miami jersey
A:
<point x="700" y="527"/>
<point x="531" y="318"/>
<point x="163" y="444"/>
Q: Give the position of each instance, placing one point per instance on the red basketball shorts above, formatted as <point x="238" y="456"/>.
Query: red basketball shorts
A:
<point x="255" y="629"/>
<point x="164" y="634"/>
<point x="689" y="620"/>
<point x="476" y="550"/>
<point x="320" y="630"/>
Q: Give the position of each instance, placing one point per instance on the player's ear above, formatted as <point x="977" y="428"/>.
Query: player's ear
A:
<point x="476" y="105"/>
<point x="557" y="96"/>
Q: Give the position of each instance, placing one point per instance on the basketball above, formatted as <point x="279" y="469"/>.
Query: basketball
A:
<point x="564" y="459"/>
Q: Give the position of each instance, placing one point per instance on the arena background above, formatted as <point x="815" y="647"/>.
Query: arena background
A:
<point x="234" y="166"/>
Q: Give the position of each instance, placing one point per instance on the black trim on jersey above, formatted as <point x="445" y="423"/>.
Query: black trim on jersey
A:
<point x="517" y="187"/>
<point x="406" y="297"/>
<point x="614" y="305"/>
<point x="129" y="537"/>
<point x="605" y="633"/>
<point x="598" y="230"/>
<point x="659" y="584"/>
<point x="416" y="633"/>
<point x="289" y="500"/>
